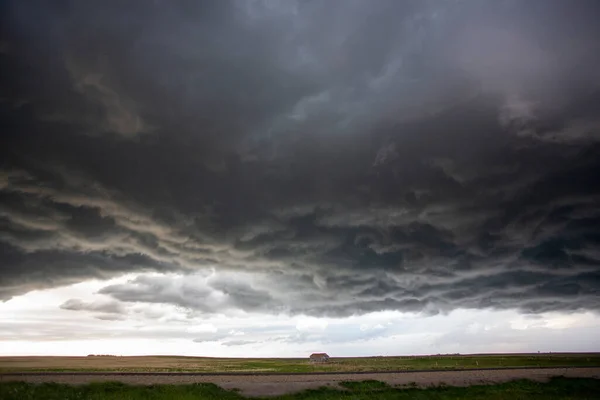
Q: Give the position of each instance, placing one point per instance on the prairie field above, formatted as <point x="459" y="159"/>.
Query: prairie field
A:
<point x="292" y="365"/>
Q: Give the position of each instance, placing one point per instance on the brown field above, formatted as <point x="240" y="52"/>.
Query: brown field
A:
<point x="291" y="365"/>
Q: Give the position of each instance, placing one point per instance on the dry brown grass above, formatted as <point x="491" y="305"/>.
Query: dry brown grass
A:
<point x="290" y="365"/>
<point x="140" y="363"/>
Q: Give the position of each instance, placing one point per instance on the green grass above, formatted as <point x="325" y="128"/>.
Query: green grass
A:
<point x="290" y="365"/>
<point x="112" y="391"/>
<point x="556" y="388"/>
<point x="365" y="386"/>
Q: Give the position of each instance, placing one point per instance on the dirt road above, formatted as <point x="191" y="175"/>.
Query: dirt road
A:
<point x="264" y="385"/>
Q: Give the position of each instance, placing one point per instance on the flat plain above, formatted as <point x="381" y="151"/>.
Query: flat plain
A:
<point x="172" y="364"/>
<point x="505" y="376"/>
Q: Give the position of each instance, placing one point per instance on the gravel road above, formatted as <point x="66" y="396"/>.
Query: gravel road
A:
<point x="265" y="385"/>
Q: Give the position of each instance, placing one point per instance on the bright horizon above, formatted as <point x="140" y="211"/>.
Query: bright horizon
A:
<point x="35" y="324"/>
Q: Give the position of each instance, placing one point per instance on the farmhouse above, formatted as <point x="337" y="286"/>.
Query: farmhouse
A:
<point x="319" y="357"/>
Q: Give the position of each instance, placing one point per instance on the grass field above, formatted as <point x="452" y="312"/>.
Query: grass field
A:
<point x="557" y="388"/>
<point x="283" y="365"/>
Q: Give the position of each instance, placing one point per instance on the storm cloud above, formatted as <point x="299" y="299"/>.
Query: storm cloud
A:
<point x="325" y="158"/>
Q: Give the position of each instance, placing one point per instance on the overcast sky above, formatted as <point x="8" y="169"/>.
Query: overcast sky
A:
<point x="272" y="178"/>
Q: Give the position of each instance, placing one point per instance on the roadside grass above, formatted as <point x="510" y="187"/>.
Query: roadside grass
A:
<point x="365" y="386"/>
<point x="113" y="391"/>
<point x="556" y="388"/>
<point x="290" y="365"/>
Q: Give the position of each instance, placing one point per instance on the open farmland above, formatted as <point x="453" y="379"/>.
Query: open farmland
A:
<point x="292" y="365"/>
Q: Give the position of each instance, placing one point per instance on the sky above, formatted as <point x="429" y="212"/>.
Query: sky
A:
<point x="273" y="178"/>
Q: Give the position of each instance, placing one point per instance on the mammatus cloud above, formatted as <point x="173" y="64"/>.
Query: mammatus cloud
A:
<point x="317" y="158"/>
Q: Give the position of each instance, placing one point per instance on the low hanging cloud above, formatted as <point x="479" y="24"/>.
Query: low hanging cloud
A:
<point x="315" y="158"/>
<point x="111" y="307"/>
<point x="194" y="292"/>
<point x="239" y="342"/>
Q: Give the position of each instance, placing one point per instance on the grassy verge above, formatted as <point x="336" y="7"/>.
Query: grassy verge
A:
<point x="556" y="388"/>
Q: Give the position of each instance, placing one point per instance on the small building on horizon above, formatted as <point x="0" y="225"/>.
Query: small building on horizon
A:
<point x="319" y="357"/>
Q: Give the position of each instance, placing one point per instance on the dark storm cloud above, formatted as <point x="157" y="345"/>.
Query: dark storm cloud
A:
<point x="325" y="158"/>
